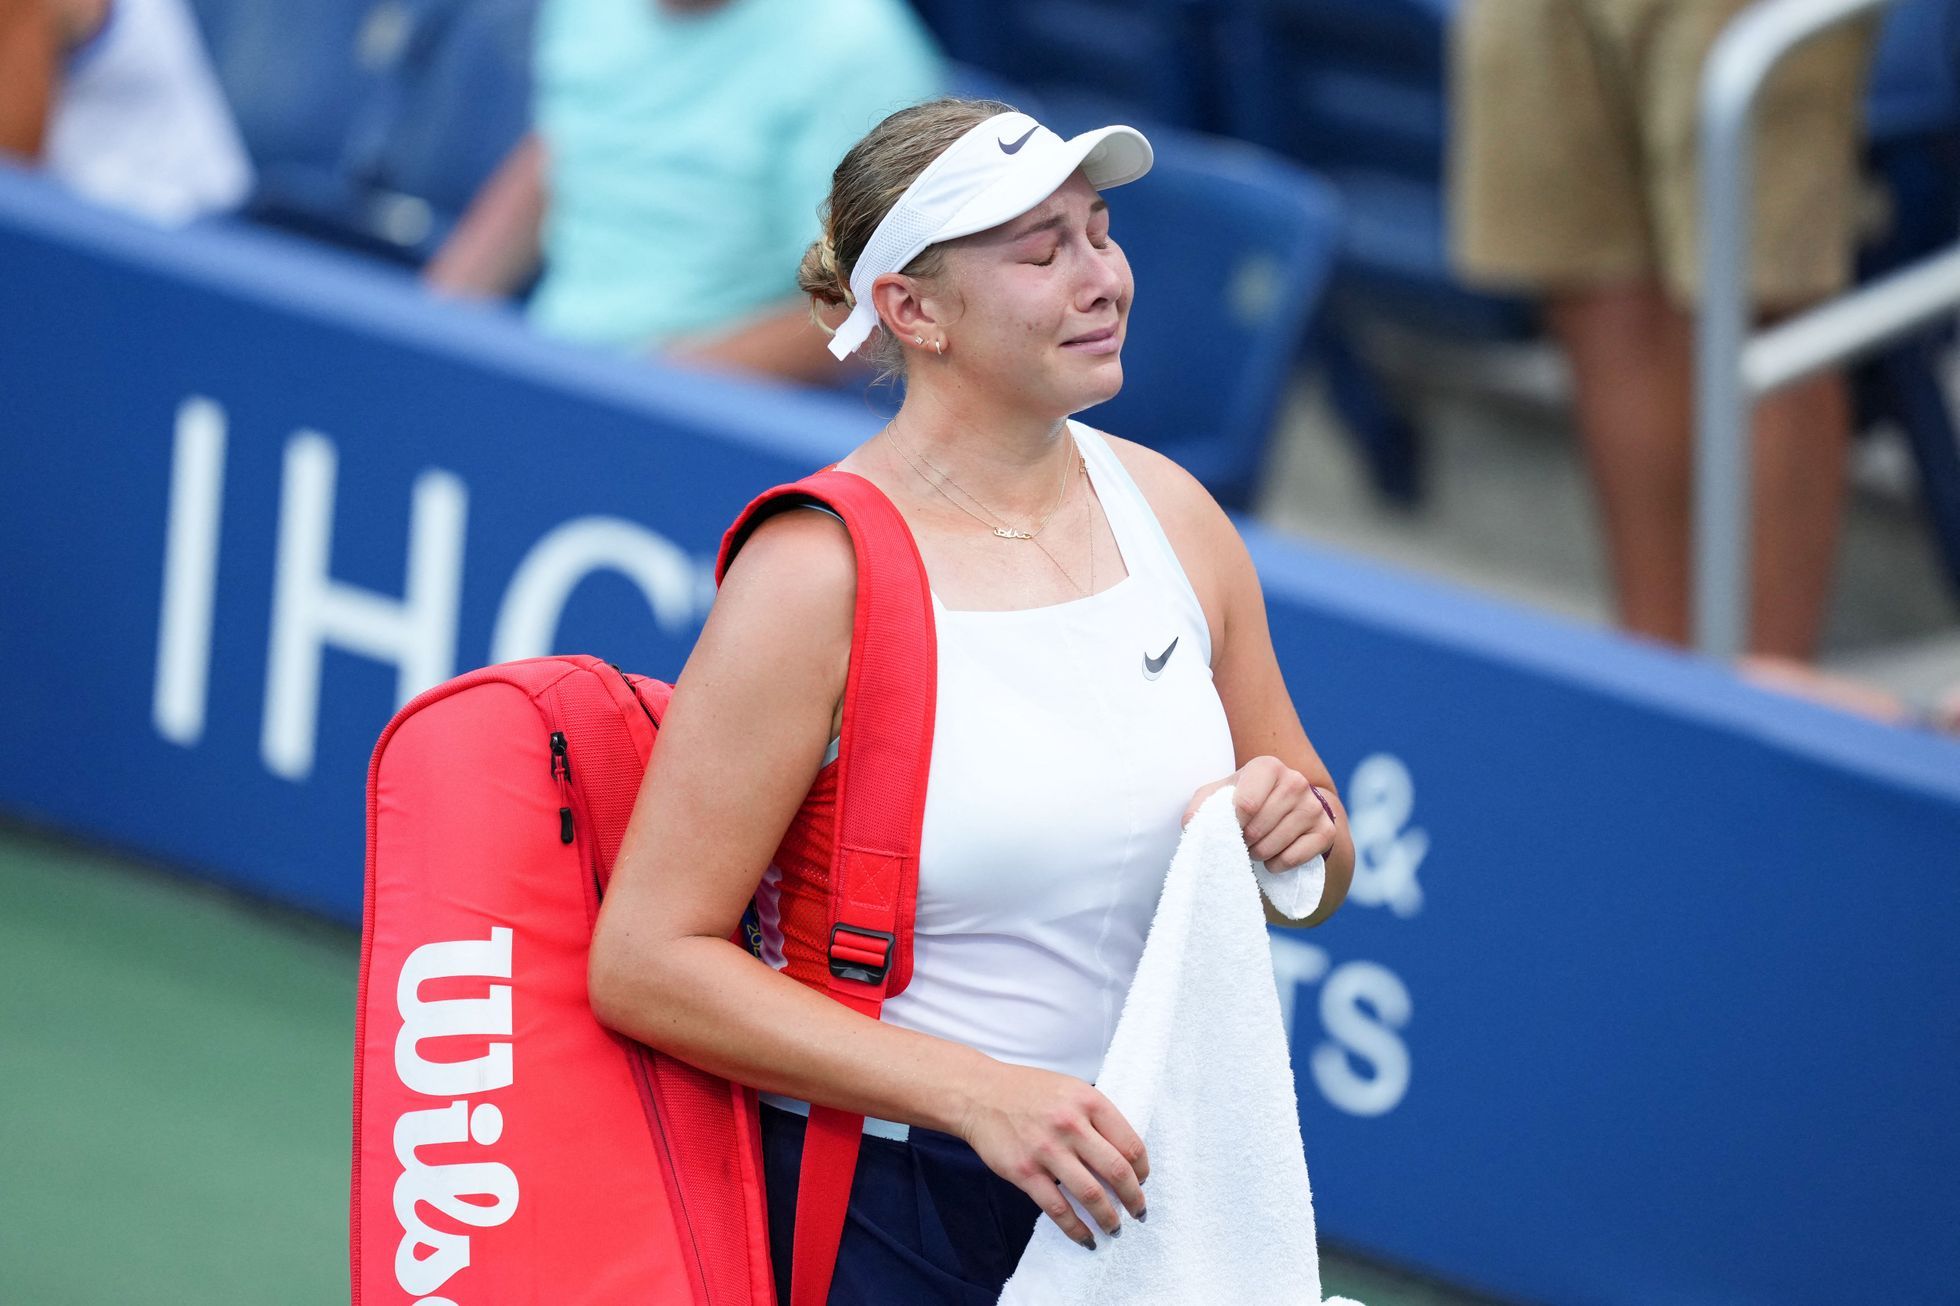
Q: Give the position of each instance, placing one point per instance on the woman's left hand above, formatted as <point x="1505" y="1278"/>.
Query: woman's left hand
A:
<point x="1286" y="820"/>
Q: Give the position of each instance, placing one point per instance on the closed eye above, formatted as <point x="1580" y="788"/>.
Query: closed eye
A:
<point x="1095" y="242"/>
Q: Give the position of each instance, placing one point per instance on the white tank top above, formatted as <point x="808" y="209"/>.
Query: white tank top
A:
<point x="1067" y="741"/>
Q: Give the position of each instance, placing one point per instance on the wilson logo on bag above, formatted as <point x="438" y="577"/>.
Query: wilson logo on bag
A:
<point x="480" y="1194"/>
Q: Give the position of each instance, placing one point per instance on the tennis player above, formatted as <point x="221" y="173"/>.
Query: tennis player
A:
<point x="1104" y="663"/>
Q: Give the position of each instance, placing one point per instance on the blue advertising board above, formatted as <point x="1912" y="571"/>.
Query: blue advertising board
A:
<point x="1642" y="993"/>
<point x="276" y="492"/>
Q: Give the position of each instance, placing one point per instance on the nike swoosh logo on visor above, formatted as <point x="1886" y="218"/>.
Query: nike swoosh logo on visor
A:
<point x="1015" y="148"/>
<point x="1154" y="667"/>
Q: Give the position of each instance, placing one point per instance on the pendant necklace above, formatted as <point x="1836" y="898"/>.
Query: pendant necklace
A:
<point x="999" y="524"/>
<point x="1001" y="529"/>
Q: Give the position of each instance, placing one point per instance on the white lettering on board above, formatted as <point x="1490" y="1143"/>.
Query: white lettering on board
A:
<point x="190" y="572"/>
<point x="527" y="623"/>
<point x="1362" y="1065"/>
<point x="1380" y="800"/>
<point x="311" y="610"/>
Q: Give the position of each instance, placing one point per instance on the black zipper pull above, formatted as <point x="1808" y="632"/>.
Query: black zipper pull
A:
<point x="561" y="771"/>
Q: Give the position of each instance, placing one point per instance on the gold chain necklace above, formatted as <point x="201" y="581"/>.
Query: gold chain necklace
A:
<point x="1089" y="517"/>
<point x="1007" y="534"/>
<point x="999" y="524"/>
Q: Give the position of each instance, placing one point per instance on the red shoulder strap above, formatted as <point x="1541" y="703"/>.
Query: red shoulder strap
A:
<point x="884" y="752"/>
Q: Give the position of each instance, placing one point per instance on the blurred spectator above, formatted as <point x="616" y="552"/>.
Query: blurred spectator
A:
<point x="117" y="100"/>
<point x="679" y="154"/>
<point x="1574" y="177"/>
<point x="30" y="47"/>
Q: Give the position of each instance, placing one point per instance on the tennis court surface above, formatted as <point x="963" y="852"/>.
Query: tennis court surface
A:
<point x="174" y="1107"/>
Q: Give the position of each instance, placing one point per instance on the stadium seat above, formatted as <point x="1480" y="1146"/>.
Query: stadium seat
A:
<point x="1351" y="81"/>
<point x="1915" y="77"/>
<point x="1150" y="55"/>
<point x="298" y="77"/>
<point x="964" y="30"/>
<point x="1355" y="89"/>
<point x="371" y="122"/>
<point x="461" y="93"/>
<point x="1913" y="153"/>
<point x="1231" y="247"/>
<point x="971" y="82"/>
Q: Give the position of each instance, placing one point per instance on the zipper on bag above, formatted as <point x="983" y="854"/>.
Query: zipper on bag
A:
<point x="561" y="771"/>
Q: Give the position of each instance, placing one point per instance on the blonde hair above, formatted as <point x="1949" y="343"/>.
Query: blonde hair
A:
<point x="863" y="188"/>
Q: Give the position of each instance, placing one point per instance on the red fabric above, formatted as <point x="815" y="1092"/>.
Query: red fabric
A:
<point x="506" y="1145"/>
<point x="570" y="1165"/>
<point x="803" y="898"/>
<point x="862" y="870"/>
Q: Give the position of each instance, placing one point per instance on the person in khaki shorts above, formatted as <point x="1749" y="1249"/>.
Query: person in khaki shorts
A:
<point x="1574" y="178"/>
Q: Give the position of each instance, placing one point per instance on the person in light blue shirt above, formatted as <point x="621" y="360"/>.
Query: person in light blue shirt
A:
<point x="679" y="152"/>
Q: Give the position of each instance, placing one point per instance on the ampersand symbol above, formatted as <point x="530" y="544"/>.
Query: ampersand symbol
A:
<point x="1381" y="798"/>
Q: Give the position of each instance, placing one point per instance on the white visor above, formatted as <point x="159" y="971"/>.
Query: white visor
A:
<point x="993" y="174"/>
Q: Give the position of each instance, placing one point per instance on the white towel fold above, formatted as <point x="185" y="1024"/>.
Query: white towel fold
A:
<point x="1199" y="1066"/>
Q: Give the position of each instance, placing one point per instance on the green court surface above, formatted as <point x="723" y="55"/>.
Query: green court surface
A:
<point x="174" y="1094"/>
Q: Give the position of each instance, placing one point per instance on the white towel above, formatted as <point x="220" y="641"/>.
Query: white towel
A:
<point x="1199" y="1067"/>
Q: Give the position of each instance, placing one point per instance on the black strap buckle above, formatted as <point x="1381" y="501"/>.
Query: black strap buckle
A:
<point x="860" y="954"/>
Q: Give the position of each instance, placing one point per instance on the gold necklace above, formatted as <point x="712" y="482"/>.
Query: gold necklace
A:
<point x="1025" y="535"/>
<point x="1089" y="517"/>
<point x="999" y="524"/>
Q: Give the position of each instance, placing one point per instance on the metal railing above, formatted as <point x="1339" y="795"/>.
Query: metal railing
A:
<point x="1736" y="367"/>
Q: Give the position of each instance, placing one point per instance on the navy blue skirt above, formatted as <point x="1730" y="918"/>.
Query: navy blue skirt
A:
<point x="928" y="1221"/>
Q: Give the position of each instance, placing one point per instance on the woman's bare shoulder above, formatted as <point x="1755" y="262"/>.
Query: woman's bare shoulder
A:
<point x="796" y="572"/>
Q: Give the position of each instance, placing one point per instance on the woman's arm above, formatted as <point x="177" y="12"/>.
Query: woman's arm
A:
<point x="1279" y="768"/>
<point x="1285" y="827"/>
<point x="741" y="742"/>
<point x="739" y="747"/>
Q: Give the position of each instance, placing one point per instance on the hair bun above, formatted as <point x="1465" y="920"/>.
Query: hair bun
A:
<point x="819" y="277"/>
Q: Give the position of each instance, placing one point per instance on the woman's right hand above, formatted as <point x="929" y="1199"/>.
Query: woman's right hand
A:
<point x="1044" y="1132"/>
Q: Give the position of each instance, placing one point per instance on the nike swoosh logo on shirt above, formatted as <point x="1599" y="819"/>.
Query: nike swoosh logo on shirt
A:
<point x="1154" y="667"/>
<point x="1005" y="148"/>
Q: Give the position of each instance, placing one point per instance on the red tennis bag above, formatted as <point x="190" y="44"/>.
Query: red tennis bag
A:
<point x="507" y="1147"/>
